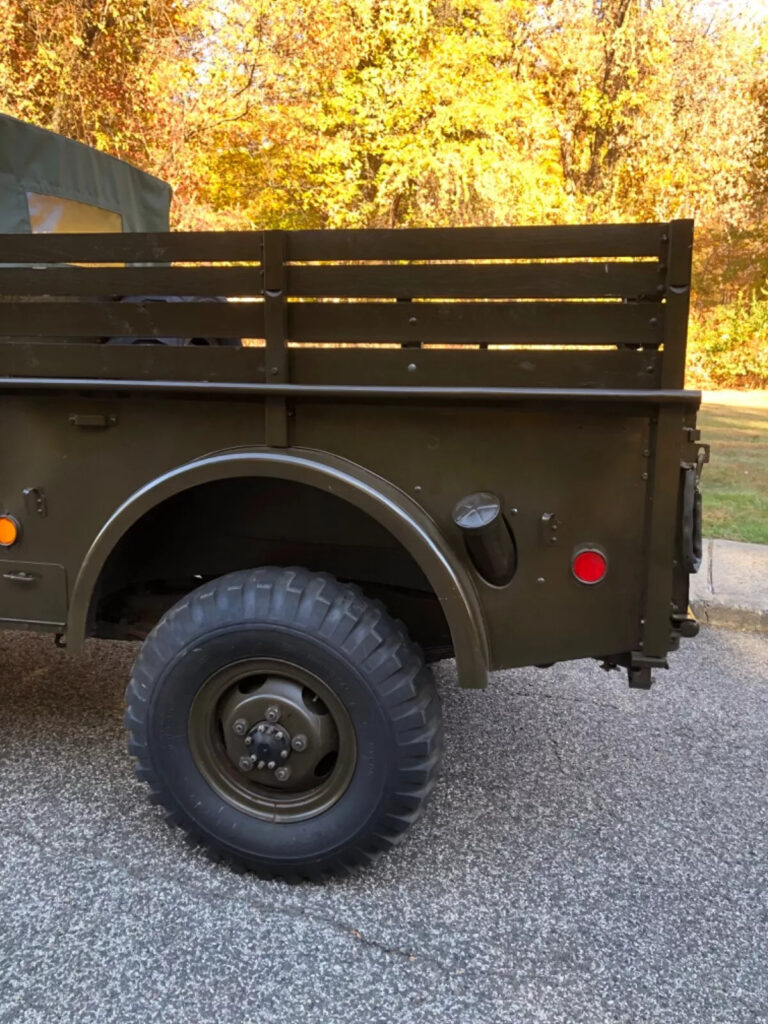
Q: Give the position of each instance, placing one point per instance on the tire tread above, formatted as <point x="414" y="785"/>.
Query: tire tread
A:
<point x="359" y="629"/>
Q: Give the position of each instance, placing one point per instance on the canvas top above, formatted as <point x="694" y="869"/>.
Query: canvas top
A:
<point x="49" y="183"/>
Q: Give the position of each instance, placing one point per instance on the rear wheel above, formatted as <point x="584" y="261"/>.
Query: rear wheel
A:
<point x="285" y="722"/>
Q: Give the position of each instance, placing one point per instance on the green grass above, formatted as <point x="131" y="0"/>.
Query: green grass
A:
<point x="735" y="483"/>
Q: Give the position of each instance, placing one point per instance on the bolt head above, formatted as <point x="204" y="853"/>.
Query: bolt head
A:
<point x="283" y="773"/>
<point x="299" y="742"/>
<point x="245" y="764"/>
<point x="239" y="726"/>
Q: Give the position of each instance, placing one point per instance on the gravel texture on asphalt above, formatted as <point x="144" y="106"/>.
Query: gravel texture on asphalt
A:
<point x="592" y="854"/>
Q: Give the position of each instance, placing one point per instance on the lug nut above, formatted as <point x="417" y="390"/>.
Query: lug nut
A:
<point x="248" y="741"/>
<point x="299" y="742"/>
<point x="271" y="765"/>
<point x="239" y="726"/>
<point x="284" y="754"/>
<point x="283" y="773"/>
<point x="272" y="714"/>
<point x="245" y="764"/>
<point x="260" y="728"/>
<point x="260" y="765"/>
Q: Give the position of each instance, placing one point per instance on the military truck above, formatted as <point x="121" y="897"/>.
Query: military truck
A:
<point x="470" y="443"/>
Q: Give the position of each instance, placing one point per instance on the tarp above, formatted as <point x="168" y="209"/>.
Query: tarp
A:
<point x="50" y="183"/>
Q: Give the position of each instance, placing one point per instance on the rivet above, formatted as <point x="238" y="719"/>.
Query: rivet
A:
<point x="643" y="476"/>
<point x="412" y="320"/>
<point x="513" y="511"/>
<point x="541" y="580"/>
<point x="411" y="367"/>
<point x="417" y="488"/>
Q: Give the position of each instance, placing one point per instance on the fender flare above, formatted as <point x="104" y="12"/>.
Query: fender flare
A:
<point x="384" y="502"/>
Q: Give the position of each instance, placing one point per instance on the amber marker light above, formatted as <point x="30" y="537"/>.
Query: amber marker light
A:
<point x="10" y="531"/>
<point x="589" y="565"/>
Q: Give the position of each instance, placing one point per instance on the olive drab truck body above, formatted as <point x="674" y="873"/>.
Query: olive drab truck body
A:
<point x="417" y="444"/>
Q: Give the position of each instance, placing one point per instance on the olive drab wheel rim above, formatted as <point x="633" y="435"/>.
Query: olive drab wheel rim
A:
<point x="272" y="739"/>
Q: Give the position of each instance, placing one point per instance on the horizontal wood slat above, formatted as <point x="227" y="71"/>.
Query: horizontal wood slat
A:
<point x="165" y="247"/>
<point x="470" y="323"/>
<point x="119" y="281"/>
<point x="558" y="280"/>
<point x="150" y="362"/>
<point x="625" y="368"/>
<point x="469" y="281"/>
<point x="139" y="319"/>
<point x="433" y="367"/>
<point x="539" y="242"/>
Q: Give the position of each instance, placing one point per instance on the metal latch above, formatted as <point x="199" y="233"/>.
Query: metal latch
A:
<point x="35" y="500"/>
<point x="96" y="421"/>
<point x="20" y="576"/>
<point x="549" y="524"/>
<point x="692" y="518"/>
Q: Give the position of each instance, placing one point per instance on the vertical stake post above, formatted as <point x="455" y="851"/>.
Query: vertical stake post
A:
<point x="275" y="333"/>
<point x="666" y="441"/>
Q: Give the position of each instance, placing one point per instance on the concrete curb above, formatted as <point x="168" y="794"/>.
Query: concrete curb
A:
<point x="730" y="589"/>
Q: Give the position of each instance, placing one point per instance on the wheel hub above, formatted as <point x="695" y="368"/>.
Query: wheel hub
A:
<point x="270" y="745"/>
<point x="278" y="733"/>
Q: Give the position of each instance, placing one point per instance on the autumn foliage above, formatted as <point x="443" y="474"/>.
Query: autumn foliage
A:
<point x="381" y="113"/>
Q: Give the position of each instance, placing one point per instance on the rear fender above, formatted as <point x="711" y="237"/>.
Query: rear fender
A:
<point x="391" y="507"/>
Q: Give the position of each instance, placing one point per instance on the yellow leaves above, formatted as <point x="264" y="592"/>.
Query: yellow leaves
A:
<point x="395" y="112"/>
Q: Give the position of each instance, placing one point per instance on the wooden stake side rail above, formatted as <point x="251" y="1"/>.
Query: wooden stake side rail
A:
<point x="619" y="286"/>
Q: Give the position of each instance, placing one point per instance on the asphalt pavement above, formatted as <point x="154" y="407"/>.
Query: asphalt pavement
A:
<point x="592" y="854"/>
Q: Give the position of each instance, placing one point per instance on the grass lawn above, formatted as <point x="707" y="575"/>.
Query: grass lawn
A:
<point x="735" y="483"/>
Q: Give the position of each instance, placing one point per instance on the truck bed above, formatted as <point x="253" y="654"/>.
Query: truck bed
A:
<point x="543" y="365"/>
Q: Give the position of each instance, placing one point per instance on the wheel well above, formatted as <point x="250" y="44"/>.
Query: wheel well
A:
<point x="245" y="522"/>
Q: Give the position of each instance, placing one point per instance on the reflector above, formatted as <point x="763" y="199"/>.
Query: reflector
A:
<point x="9" y="531"/>
<point x="589" y="565"/>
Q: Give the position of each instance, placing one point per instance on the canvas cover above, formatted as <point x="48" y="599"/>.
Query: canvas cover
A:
<point x="51" y="184"/>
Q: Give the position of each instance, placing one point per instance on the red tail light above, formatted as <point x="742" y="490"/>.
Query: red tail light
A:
<point x="589" y="565"/>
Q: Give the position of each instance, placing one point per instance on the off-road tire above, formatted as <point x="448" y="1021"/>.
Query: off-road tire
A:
<point x="362" y="655"/>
